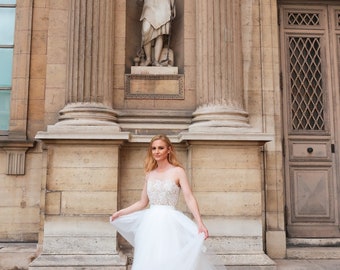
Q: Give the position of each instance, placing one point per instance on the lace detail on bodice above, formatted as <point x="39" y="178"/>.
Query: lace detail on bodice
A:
<point x="162" y="192"/>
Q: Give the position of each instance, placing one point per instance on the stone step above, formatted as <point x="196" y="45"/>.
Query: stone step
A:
<point x="16" y="255"/>
<point x="79" y="262"/>
<point x="313" y="253"/>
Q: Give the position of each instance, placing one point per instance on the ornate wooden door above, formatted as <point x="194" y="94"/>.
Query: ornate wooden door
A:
<point x="310" y="49"/>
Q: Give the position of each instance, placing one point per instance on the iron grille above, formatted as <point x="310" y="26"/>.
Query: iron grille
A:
<point x="306" y="96"/>
<point x="303" y="19"/>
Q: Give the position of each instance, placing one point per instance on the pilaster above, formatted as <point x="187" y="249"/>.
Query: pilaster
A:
<point x="220" y="92"/>
<point x="90" y="65"/>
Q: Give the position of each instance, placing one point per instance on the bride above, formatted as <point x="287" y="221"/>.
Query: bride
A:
<point x="163" y="237"/>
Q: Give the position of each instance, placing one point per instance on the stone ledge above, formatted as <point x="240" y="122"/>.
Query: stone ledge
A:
<point x="142" y="70"/>
<point x="249" y="261"/>
<point x="313" y="253"/>
<point x="113" y="261"/>
<point x="81" y="133"/>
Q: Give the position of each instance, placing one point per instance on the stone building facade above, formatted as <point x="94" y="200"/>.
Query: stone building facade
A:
<point x="252" y="108"/>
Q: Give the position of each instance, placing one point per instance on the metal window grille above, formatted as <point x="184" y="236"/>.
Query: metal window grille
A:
<point x="306" y="91"/>
<point x="303" y="19"/>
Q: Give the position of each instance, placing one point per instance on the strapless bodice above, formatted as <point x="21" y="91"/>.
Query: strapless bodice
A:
<point x="162" y="192"/>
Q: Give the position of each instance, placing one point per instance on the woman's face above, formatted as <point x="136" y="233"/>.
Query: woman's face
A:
<point x="160" y="150"/>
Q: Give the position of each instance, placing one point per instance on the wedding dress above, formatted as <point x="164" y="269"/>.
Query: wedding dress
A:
<point x="163" y="237"/>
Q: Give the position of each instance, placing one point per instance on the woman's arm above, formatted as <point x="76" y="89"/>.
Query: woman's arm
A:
<point x="191" y="201"/>
<point x="139" y="205"/>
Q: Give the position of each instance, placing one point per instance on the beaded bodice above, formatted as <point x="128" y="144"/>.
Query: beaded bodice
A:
<point x="162" y="192"/>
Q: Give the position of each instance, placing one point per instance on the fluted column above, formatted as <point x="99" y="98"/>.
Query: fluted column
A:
<point x="220" y="92"/>
<point x="90" y="66"/>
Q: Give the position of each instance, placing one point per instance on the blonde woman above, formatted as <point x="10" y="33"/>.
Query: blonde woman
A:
<point x="163" y="237"/>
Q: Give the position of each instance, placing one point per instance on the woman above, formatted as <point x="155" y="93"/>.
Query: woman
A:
<point x="162" y="237"/>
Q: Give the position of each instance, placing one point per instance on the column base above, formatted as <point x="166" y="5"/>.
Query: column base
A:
<point x="218" y="119"/>
<point x="84" y="262"/>
<point x="87" y="114"/>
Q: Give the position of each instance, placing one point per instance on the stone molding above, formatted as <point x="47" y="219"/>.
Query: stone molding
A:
<point x="16" y="156"/>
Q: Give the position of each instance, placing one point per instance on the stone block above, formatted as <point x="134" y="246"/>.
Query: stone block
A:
<point x="214" y="157"/>
<point x="58" y="22"/>
<point x="59" y="44"/>
<point x="228" y="180"/>
<point x="275" y="200"/>
<point x="58" y="73"/>
<point x="190" y="55"/>
<point x="120" y="16"/>
<point x="190" y="82"/>
<point x="80" y="156"/>
<point x="234" y="245"/>
<point x="18" y="112"/>
<point x="71" y="244"/>
<point x="132" y="179"/>
<point x="128" y="197"/>
<point x="133" y="157"/>
<point x="38" y="66"/>
<point x="119" y="43"/>
<point x="79" y="226"/>
<point x="84" y="179"/>
<point x="276" y="244"/>
<point x="37" y="89"/>
<point x="275" y="220"/>
<point x="230" y="203"/>
<point x="53" y="202"/>
<point x="17" y="215"/>
<point x="234" y="226"/>
<point x="36" y="109"/>
<point x="88" y="203"/>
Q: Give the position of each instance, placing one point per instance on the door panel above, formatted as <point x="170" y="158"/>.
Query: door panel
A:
<point x="312" y="191"/>
<point x="308" y="73"/>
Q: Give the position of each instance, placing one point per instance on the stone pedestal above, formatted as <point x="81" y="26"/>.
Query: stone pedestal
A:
<point x="226" y="169"/>
<point x="78" y="195"/>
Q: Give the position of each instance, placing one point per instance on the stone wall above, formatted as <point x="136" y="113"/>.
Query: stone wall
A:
<point x="82" y="171"/>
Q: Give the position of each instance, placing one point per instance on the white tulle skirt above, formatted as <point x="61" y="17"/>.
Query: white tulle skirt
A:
<point x="163" y="239"/>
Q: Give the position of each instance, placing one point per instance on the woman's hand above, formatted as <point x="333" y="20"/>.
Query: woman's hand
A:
<point x="203" y="229"/>
<point x="114" y="216"/>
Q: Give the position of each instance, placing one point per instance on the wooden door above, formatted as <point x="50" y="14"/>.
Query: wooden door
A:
<point x="310" y="42"/>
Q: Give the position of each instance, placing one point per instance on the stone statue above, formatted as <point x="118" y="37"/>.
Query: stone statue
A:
<point x="157" y="16"/>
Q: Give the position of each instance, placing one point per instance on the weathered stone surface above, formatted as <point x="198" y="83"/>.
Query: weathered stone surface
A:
<point x="91" y="175"/>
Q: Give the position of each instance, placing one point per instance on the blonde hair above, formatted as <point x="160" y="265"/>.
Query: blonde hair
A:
<point x="150" y="163"/>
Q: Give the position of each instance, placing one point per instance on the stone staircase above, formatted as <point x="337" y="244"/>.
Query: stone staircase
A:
<point x="313" y="249"/>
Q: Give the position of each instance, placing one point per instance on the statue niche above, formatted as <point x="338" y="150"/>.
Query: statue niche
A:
<point x="154" y="36"/>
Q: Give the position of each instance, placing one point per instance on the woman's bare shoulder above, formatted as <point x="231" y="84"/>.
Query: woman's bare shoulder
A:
<point x="179" y="169"/>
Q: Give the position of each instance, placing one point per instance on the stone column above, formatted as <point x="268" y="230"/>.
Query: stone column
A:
<point x="220" y="92"/>
<point x="90" y="67"/>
